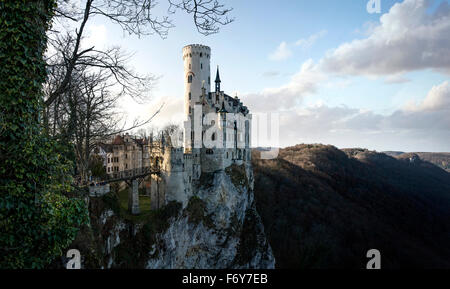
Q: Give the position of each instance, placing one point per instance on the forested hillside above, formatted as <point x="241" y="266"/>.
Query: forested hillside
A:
<point x="441" y="160"/>
<point x="323" y="207"/>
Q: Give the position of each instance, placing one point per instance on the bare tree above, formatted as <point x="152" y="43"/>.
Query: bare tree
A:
<point x="208" y="14"/>
<point x="84" y="83"/>
<point x="134" y="17"/>
<point x="86" y="114"/>
<point x="116" y="76"/>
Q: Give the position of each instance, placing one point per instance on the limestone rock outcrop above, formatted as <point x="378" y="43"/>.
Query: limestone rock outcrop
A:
<point x="219" y="228"/>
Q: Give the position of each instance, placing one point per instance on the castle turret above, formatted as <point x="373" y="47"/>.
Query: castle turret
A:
<point x="196" y="59"/>
<point x="197" y="82"/>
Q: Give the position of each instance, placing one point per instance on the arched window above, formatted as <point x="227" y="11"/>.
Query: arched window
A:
<point x="190" y="79"/>
<point x="213" y="137"/>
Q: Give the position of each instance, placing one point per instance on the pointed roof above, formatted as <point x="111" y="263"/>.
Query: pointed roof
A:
<point x="217" y="74"/>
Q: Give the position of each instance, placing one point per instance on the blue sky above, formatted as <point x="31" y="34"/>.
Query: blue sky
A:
<point x="262" y="53"/>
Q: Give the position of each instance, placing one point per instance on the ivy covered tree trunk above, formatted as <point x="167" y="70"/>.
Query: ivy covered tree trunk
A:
<point x="37" y="219"/>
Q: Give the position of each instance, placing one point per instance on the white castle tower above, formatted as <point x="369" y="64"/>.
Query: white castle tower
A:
<point x="197" y="75"/>
<point x="220" y="137"/>
<point x="197" y="72"/>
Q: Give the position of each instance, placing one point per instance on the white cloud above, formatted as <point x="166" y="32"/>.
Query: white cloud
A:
<point x="97" y="36"/>
<point x="308" y="42"/>
<point x="408" y="38"/>
<point x="281" y="53"/>
<point x="367" y="29"/>
<point x="271" y="73"/>
<point x="437" y="99"/>
<point x="422" y="127"/>
<point x="396" y="78"/>
<point x="172" y="111"/>
<point x="302" y="83"/>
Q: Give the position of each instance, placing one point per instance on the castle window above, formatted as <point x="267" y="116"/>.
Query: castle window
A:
<point x="126" y="156"/>
<point x="190" y="66"/>
<point x="109" y="169"/>
<point x="190" y="79"/>
<point x="190" y="110"/>
<point x="213" y="137"/>
<point x="201" y="54"/>
<point x="209" y="152"/>
<point x="209" y="79"/>
<point x="190" y="96"/>
<point x="190" y="54"/>
<point x="126" y="166"/>
<point x="201" y="65"/>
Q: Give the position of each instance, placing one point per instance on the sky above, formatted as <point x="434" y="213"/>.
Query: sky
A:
<point x="333" y="72"/>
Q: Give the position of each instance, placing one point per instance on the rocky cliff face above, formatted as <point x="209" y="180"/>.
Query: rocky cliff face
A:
<point x="219" y="228"/>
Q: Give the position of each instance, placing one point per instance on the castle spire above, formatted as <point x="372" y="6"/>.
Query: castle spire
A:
<point x="217" y="80"/>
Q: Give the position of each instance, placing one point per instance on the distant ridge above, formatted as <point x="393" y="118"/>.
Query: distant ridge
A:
<point x="324" y="208"/>
<point x="441" y="160"/>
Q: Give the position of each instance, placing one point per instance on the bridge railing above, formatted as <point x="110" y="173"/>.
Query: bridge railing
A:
<point x="128" y="174"/>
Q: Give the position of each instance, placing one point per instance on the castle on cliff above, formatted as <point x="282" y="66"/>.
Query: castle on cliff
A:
<point x="217" y="133"/>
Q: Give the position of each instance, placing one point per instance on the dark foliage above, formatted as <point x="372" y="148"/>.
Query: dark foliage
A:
<point x="196" y="212"/>
<point x="325" y="208"/>
<point x="37" y="219"/>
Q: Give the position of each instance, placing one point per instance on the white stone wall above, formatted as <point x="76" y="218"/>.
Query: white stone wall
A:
<point x="196" y="60"/>
<point x="173" y="174"/>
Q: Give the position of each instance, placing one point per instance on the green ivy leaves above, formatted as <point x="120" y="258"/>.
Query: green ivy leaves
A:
<point x="37" y="218"/>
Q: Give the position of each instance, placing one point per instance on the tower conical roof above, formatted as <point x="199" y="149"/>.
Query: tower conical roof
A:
<point x="217" y="74"/>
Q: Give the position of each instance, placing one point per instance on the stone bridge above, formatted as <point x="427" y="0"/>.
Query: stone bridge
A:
<point x="131" y="177"/>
